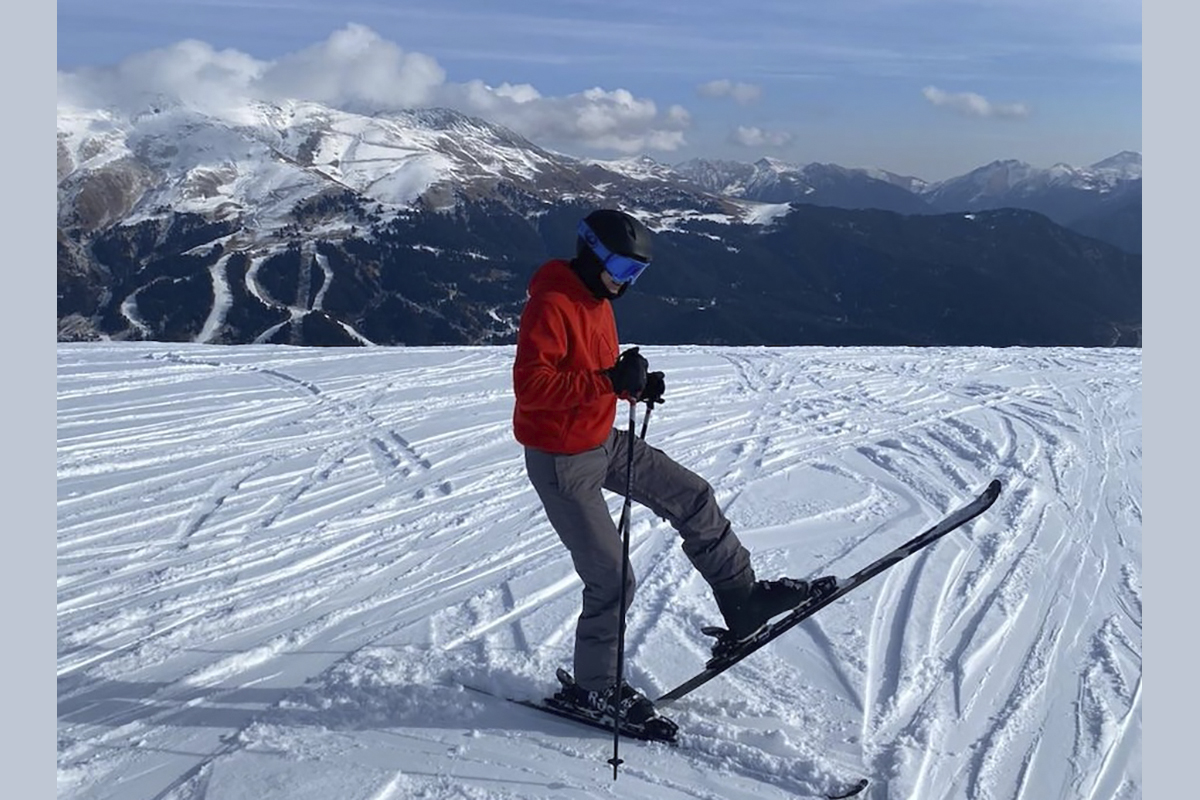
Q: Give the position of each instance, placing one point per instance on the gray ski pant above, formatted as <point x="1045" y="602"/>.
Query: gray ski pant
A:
<point x="570" y="489"/>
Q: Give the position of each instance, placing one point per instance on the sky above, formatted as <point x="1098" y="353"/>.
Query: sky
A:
<point x="928" y="88"/>
<point x="278" y="567"/>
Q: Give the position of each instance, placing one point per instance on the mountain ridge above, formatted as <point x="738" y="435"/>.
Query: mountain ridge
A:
<point x="322" y="226"/>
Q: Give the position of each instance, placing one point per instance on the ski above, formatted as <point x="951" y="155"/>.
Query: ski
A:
<point x="726" y="653"/>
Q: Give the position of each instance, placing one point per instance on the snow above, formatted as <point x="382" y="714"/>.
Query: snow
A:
<point x="410" y="179"/>
<point x="276" y="568"/>
<point x="763" y="213"/>
<point x="639" y="168"/>
<point x="255" y="158"/>
<point x="222" y="300"/>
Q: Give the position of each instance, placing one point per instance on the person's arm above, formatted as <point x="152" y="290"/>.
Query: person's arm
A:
<point x="539" y="378"/>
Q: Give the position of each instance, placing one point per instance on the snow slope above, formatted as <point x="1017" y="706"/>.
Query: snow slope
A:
<point x="277" y="566"/>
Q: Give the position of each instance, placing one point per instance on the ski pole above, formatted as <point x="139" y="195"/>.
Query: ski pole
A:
<point x="646" y="419"/>
<point x="623" y="527"/>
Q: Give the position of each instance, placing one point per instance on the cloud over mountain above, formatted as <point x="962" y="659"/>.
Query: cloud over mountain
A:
<point x="753" y="136"/>
<point x="974" y="105"/>
<point x="355" y="69"/>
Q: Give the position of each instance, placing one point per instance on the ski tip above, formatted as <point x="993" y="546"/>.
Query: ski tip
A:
<point x="714" y="631"/>
<point x="850" y="791"/>
<point x="994" y="487"/>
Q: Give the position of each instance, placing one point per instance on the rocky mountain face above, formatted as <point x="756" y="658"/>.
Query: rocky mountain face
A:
<point x="304" y="225"/>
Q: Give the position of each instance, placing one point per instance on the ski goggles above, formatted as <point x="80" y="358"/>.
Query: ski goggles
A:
<point x="623" y="269"/>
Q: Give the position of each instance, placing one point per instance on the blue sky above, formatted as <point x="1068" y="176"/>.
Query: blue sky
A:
<point x="931" y="88"/>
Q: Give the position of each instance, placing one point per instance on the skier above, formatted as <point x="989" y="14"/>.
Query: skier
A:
<point x="567" y="378"/>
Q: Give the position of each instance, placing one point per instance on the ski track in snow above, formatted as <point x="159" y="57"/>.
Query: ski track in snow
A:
<point x="277" y="566"/>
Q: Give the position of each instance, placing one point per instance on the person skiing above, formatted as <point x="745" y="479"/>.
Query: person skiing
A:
<point x="567" y="379"/>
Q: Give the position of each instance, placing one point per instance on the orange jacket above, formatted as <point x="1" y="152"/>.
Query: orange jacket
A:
<point x="567" y="336"/>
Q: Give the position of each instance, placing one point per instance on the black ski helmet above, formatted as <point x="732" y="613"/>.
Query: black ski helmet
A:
<point x="621" y="233"/>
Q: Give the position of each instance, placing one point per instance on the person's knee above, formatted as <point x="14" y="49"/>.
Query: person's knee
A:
<point x="606" y="594"/>
<point x="704" y="498"/>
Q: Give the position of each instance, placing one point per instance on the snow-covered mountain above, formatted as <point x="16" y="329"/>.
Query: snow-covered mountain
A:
<point x="1103" y="200"/>
<point x="298" y="223"/>
<point x="774" y="181"/>
<point x="723" y="177"/>
<point x="257" y="162"/>
<point x="145" y="198"/>
<point x="1126" y="165"/>
<point x="1009" y="182"/>
<point x="1062" y="192"/>
<point x="640" y="168"/>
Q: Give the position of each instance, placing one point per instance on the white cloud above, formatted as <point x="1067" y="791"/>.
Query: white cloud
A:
<point x="354" y="69"/>
<point x="757" y="137"/>
<point x="598" y="118"/>
<point x="679" y="116"/>
<point x="741" y="92"/>
<point x="357" y="70"/>
<point x="190" y="71"/>
<point x="974" y="105"/>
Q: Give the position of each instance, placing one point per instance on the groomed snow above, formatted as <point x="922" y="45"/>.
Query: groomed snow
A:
<point x="278" y="566"/>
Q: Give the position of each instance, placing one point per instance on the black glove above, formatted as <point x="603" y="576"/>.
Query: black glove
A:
<point x="653" y="393"/>
<point x="628" y="375"/>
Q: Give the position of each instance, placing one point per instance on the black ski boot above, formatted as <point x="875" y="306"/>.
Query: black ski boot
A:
<point x="748" y="609"/>
<point x="638" y="714"/>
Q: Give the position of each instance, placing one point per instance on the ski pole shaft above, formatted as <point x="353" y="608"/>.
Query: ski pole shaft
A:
<point x="625" y="535"/>
<point x="646" y="420"/>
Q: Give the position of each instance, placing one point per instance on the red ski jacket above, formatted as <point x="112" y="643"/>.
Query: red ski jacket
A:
<point x="567" y="336"/>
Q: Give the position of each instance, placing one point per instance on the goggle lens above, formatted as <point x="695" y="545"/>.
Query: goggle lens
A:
<point x="623" y="269"/>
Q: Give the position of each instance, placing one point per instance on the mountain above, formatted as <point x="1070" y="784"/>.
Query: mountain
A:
<point x="179" y="224"/>
<point x="302" y="224"/>
<point x="830" y="275"/>
<point x="1076" y="197"/>
<point x="773" y="181"/>
<point x="1088" y="199"/>
<point x="1118" y="222"/>
<point x="257" y="166"/>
